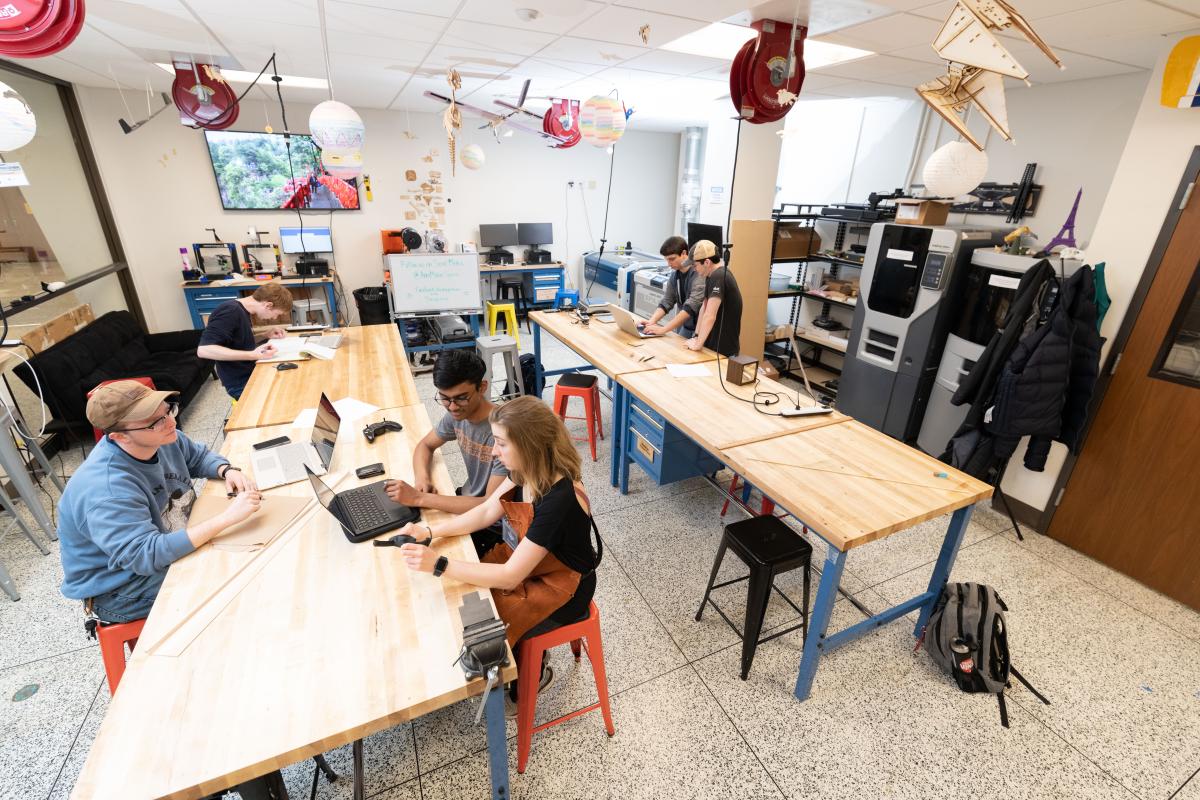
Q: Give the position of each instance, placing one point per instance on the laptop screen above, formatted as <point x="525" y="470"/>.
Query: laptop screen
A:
<point x="325" y="495"/>
<point x="325" y="430"/>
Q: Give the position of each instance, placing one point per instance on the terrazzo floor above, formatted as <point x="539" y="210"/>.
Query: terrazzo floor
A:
<point x="1117" y="660"/>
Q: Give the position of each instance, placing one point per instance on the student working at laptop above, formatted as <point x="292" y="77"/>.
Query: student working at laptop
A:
<point x="720" y="324"/>
<point x="543" y="573"/>
<point x="228" y="338"/>
<point x="463" y="392"/>
<point x="684" y="290"/>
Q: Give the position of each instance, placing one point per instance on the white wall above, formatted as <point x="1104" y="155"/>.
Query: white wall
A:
<point x="162" y="206"/>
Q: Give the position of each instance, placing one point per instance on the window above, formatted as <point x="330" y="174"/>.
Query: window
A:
<point x="1179" y="358"/>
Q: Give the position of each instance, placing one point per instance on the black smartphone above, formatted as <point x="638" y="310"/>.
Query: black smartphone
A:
<point x="370" y="470"/>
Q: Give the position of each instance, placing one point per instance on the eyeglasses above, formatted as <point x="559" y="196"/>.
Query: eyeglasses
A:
<point x="458" y="401"/>
<point x="157" y="425"/>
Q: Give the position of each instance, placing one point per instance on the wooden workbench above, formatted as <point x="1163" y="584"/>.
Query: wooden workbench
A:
<point x="613" y="351"/>
<point x="370" y="365"/>
<point x="251" y="661"/>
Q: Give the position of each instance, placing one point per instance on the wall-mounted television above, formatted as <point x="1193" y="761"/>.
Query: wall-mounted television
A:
<point x="252" y="173"/>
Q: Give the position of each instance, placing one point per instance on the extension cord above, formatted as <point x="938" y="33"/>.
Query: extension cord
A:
<point x="808" y="411"/>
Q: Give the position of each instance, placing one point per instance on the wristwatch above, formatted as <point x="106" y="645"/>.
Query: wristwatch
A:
<point x="440" y="566"/>
<point x="228" y="467"/>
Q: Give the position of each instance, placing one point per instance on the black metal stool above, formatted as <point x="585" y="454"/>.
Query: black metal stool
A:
<point x="514" y="289"/>
<point x="768" y="548"/>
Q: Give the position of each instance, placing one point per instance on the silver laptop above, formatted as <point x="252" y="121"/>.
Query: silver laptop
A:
<point x="284" y="464"/>
<point x="629" y="323"/>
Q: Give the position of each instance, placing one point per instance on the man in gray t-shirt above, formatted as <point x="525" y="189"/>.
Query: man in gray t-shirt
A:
<point x="463" y="392"/>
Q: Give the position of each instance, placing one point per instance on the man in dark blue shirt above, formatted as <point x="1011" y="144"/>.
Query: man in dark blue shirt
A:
<point x="228" y="338"/>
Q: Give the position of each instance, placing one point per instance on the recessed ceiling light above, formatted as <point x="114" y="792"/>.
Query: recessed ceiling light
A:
<point x="238" y="76"/>
<point x="819" y="54"/>
<point x="719" y="40"/>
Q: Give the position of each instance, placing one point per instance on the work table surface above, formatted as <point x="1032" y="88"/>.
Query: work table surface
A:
<point x="613" y="351"/>
<point x="251" y="661"/>
<point x="370" y="365"/>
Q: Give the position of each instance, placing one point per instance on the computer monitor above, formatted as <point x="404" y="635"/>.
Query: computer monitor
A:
<point x="497" y="235"/>
<point x="699" y="232"/>
<point x="535" y="233"/>
<point x="306" y="240"/>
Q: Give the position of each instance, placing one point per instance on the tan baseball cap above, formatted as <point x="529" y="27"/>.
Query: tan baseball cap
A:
<point x="704" y="249"/>
<point x="123" y="401"/>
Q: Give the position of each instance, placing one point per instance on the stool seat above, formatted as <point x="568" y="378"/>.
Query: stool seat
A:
<point x="113" y="638"/>
<point x="767" y="541"/>
<point x="577" y="380"/>
<point x="488" y="347"/>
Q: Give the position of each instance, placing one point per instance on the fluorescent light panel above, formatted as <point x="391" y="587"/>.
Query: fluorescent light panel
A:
<point x="239" y="76"/>
<point x="722" y="40"/>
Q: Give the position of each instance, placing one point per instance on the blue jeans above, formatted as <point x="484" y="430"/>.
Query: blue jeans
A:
<point x="131" y="601"/>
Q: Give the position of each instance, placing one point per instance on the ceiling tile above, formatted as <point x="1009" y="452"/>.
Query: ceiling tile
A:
<point x="620" y="25"/>
<point x="229" y="16"/>
<point x="677" y="63"/>
<point x="1120" y="19"/>
<point x="552" y="70"/>
<point x="870" y="89"/>
<point x="887" y="34"/>
<point x="920" y="52"/>
<point x="1142" y="51"/>
<point x="436" y="8"/>
<point x="554" y="18"/>
<point x="885" y="69"/>
<point x="344" y="19"/>
<point x="707" y="10"/>
<point x="820" y="17"/>
<point x="483" y="36"/>
<point x="590" y="51"/>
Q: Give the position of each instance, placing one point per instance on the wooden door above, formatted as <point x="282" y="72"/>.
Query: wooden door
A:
<point x="1130" y="501"/>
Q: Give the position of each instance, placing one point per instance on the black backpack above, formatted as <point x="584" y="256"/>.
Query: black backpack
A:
<point x="528" y="377"/>
<point x="967" y="635"/>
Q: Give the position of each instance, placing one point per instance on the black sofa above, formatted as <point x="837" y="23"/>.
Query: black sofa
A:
<point x="114" y="347"/>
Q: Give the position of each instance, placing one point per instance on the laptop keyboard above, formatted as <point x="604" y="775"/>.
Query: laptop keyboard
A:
<point x="364" y="509"/>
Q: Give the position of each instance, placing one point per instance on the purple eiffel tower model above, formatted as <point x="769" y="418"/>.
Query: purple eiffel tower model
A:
<point x="1066" y="234"/>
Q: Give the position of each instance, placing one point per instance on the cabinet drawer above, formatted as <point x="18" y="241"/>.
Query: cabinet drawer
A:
<point x="674" y="461"/>
<point x="648" y="412"/>
<point x="214" y="295"/>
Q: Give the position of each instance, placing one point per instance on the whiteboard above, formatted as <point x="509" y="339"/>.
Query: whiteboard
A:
<point x="435" y="283"/>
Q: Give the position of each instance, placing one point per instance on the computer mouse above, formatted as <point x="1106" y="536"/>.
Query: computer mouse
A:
<point x="286" y="365"/>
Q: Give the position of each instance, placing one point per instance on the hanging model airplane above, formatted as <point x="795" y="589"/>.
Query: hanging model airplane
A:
<point x="497" y="121"/>
<point x="950" y="94"/>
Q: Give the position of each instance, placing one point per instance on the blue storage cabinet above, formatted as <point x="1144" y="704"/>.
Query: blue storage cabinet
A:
<point x="203" y="298"/>
<point x="203" y="301"/>
<point x="663" y="451"/>
<point x="541" y="285"/>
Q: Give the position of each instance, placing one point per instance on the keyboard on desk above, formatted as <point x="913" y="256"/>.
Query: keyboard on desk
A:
<point x="363" y="508"/>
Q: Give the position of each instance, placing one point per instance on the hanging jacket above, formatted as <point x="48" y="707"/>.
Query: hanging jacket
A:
<point x="1046" y="385"/>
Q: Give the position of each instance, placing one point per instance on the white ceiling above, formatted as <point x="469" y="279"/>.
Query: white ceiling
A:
<point x="386" y="53"/>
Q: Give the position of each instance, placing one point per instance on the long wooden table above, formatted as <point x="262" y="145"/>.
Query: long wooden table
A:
<point x="849" y="483"/>
<point x="252" y="660"/>
<point x="370" y="365"/>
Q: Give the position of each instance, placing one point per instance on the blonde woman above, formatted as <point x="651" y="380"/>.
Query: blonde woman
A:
<point x="543" y="574"/>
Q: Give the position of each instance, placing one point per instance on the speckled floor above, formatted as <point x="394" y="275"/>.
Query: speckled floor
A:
<point x="1117" y="660"/>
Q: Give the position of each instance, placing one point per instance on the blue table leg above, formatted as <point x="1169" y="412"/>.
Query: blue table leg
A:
<point x="623" y="461"/>
<point x="537" y="356"/>
<point x="818" y="621"/>
<point x="497" y="744"/>
<point x="945" y="562"/>
<point x="618" y="426"/>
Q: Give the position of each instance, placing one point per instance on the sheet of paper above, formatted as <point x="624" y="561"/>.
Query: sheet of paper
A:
<point x="688" y="370"/>
<point x="306" y="418"/>
<point x="350" y="409"/>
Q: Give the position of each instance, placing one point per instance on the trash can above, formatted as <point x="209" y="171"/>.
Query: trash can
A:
<point x="372" y="305"/>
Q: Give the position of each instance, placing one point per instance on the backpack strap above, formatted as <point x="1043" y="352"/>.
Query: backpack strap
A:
<point x="1027" y="685"/>
<point x="598" y="549"/>
<point x="1003" y="709"/>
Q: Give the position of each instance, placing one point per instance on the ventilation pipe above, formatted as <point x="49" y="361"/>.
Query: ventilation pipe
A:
<point x="690" y="180"/>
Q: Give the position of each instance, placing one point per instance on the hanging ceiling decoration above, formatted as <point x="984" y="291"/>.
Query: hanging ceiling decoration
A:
<point x="17" y="123"/>
<point x="954" y="169"/>
<point x="768" y="72"/>
<point x="977" y="64"/>
<point x="203" y="97"/>
<point x="602" y="120"/>
<point x="452" y="117"/>
<point x="38" y="28"/>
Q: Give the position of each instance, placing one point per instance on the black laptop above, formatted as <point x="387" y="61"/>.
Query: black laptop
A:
<point x="364" y="512"/>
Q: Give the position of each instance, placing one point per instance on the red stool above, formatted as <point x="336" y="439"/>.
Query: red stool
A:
<point x="113" y="639"/>
<point x="576" y="384"/>
<point x="768" y="505"/>
<point x="529" y="673"/>
<point x="99" y="434"/>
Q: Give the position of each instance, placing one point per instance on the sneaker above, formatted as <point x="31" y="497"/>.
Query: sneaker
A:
<point x="510" y="705"/>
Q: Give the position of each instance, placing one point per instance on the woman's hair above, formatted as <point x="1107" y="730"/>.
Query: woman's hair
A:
<point x="541" y="441"/>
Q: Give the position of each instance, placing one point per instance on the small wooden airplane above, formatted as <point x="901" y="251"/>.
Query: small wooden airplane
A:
<point x="497" y="121"/>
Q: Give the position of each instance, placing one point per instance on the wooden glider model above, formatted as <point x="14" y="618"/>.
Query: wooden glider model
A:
<point x="497" y="121"/>
<point x="978" y="62"/>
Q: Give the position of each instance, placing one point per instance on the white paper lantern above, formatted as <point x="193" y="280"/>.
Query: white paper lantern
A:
<point x="473" y="157"/>
<point x="17" y="123"/>
<point x="954" y="169"/>
<point x="602" y="120"/>
<point x="342" y="164"/>
<point x="336" y="127"/>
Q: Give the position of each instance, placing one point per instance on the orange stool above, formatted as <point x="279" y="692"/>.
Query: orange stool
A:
<point x="529" y="673"/>
<point x="768" y="505"/>
<point x="576" y="384"/>
<point x="113" y="639"/>
<point x="99" y="434"/>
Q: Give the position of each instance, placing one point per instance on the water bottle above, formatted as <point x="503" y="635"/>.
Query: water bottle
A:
<point x="185" y="263"/>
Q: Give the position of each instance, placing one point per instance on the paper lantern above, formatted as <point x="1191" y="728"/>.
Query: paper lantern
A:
<point x="954" y="169"/>
<point x="602" y="120"/>
<point x="343" y="164"/>
<point x="473" y="157"/>
<point x="336" y="127"/>
<point x="17" y="123"/>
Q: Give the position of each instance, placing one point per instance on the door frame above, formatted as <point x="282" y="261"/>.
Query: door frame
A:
<point x="1182" y="192"/>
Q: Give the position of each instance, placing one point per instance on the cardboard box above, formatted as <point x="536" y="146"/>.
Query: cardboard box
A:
<point x="793" y="240"/>
<point x="922" y="212"/>
<point x="54" y="331"/>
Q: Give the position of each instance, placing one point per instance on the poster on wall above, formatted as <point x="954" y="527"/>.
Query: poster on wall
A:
<point x="11" y="174"/>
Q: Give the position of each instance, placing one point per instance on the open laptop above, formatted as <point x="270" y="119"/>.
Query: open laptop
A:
<point x="285" y="463"/>
<point x="629" y="323"/>
<point x="364" y="512"/>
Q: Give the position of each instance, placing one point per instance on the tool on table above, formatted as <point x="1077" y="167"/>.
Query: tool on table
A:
<point x="484" y="650"/>
<point x="401" y="539"/>
<point x="370" y="470"/>
<point x="379" y="428"/>
<point x="269" y="443"/>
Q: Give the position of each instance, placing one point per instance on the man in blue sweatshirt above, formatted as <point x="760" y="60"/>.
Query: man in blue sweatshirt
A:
<point x="123" y="518"/>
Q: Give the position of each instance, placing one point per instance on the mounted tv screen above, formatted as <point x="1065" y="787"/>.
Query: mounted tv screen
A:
<point x="252" y="173"/>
